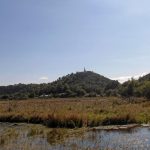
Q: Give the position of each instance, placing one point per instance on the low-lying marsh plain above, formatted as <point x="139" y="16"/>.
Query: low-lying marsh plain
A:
<point x="76" y="112"/>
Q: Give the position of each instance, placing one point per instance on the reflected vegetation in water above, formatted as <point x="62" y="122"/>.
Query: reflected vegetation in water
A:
<point x="33" y="137"/>
<point x="38" y="137"/>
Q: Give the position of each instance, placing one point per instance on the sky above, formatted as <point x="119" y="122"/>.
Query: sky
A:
<point x="41" y="40"/>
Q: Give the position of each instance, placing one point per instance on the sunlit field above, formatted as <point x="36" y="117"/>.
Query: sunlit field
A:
<point x="76" y="112"/>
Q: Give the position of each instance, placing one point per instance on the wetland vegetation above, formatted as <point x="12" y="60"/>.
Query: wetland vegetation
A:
<point x="36" y="137"/>
<point x="76" y="112"/>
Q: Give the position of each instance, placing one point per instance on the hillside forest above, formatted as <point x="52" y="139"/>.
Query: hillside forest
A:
<point x="80" y="84"/>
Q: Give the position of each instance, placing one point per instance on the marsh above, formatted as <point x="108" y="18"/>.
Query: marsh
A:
<point x="23" y="136"/>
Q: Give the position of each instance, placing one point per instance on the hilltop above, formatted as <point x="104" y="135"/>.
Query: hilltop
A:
<point x="86" y="83"/>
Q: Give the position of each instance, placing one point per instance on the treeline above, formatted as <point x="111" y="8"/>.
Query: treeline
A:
<point x="78" y="84"/>
<point x="135" y="88"/>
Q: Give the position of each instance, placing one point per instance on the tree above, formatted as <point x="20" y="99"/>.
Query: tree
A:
<point x="127" y="89"/>
<point x="146" y="90"/>
<point x="80" y="92"/>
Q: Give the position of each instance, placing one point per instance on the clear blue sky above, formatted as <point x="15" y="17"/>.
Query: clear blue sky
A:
<point x="42" y="39"/>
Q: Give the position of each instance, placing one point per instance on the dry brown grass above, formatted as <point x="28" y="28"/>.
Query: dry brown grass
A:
<point x="75" y="112"/>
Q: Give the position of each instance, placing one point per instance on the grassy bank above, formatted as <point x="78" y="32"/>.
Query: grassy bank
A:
<point x="77" y="112"/>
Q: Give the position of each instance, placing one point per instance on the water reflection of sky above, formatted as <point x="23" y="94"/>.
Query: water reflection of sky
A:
<point x="138" y="138"/>
<point x="133" y="139"/>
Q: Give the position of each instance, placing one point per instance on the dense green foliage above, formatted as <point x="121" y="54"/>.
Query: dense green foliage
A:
<point x="136" y="88"/>
<point x="85" y="83"/>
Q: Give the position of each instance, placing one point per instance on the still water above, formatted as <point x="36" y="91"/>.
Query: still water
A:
<point x="37" y="137"/>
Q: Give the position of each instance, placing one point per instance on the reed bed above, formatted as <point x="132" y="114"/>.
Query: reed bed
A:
<point x="76" y="112"/>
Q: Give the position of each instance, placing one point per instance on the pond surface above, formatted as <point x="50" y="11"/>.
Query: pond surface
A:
<point x="38" y="137"/>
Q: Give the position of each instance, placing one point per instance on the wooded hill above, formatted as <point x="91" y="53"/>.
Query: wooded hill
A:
<point x="78" y="84"/>
<point x="87" y="83"/>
